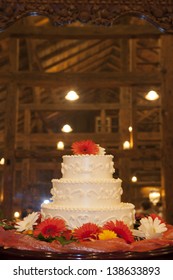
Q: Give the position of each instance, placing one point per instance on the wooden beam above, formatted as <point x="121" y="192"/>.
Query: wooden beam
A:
<point x="47" y="138"/>
<point x="151" y="136"/>
<point x="87" y="80"/>
<point x="84" y="32"/>
<point x="151" y="164"/>
<point x="11" y="114"/>
<point x="167" y="127"/>
<point x="54" y="154"/>
<point x="70" y="107"/>
<point x="78" y="107"/>
<point x="110" y="138"/>
<point x="26" y="166"/>
<point x="9" y="151"/>
<point x="146" y="183"/>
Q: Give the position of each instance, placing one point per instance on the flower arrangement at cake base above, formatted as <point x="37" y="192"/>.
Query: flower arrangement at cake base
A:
<point x="52" y="235"/>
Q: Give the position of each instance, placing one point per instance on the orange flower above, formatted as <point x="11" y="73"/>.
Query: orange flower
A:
<point x="86" y="147"/>
<point x="121" y="229"/>
<point x="86" y="231"/>
<point x="50" y="228"/>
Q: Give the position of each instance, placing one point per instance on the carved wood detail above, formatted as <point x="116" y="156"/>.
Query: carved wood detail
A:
<point x="98" y="12"/>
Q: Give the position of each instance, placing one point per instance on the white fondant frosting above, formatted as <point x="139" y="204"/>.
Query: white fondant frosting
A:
<point x="76" y="217"/>
<point x="87" y="167"/>
<point x="87" y="192"/>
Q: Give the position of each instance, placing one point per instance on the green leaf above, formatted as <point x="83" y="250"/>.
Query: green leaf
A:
<point x="6" y="226"/>
<point x="63" y="240"/>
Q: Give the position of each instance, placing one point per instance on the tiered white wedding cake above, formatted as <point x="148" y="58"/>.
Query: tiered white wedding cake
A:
<point x="87" y="191"/>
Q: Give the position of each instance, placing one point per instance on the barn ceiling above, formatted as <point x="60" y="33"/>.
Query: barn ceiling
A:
<point x="87" y="61"/>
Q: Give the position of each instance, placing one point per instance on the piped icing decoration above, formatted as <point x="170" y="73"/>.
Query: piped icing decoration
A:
<point x="87" y="147"/>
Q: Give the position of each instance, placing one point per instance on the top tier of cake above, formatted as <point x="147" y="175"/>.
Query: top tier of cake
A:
<point x="87" y="167"/>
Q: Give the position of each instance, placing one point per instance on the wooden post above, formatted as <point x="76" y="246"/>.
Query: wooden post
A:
<point x="11" y="113"/>
<point x="103" y="120"/>
<point x="9" y="151"/>
<point x="167" y="124"/>
<point x="124" y="122"/>
<point x="26" y="145"/>
<point x="132" y="68"/>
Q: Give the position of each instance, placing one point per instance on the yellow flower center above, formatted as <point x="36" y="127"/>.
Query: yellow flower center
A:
<point x="30" y="232"/>
<point x="107" y="234"/>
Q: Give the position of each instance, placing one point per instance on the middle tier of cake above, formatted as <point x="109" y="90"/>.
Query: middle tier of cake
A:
<point x="86" y="194"/>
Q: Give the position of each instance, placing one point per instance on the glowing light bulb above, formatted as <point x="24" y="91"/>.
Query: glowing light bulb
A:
<point x="154" y="197"/>
<point x="134" y="179"/>
<point x="60" y="145"/>
<point x="152" y="95"/>
<point x="72" y="95"/>
<point x="16" y="214"/>
<point x="2" y="161"/>
<point x="126" y="145"/>
<point x="46" y="201"/>
<point x="66" y="128"/>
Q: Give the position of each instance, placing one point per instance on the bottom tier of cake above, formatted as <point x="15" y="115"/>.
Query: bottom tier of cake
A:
<point x="75" y="217"/>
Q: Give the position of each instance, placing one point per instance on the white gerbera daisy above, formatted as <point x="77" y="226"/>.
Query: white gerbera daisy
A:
<point x="28" y="222"/>
<point x="150" y="228"/>
<point x="101" y="151"/>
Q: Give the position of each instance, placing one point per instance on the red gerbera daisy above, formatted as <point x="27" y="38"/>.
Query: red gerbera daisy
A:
<point x="85" y="147"/>
<point x="67" y="234"/>
<point x="50" y="228"/>
<point x="86" y="231"/>
<point x="153" y="216"/>
<point x="121" y="229"/>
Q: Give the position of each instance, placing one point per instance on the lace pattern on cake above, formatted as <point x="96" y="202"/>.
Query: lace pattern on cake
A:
<point x="68" y="194"/>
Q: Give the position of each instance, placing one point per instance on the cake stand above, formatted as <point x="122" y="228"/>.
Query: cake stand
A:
<point x="15" y="254"/>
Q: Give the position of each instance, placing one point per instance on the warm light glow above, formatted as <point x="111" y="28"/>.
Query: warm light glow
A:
<point x="1" y="196"/>
<point x="126" y="145"/>
<point x="72" y="95"/>
<point x="130" y="128"/>
<point x="152" y="95"/>
<point x="2" y="161"/>
<point x="60" y="145"/>
<point x="66" y="128"/>
<point x="154" y="197"/>
<point x="16" y="214"/>
<point x="46" y="201"/>
<point x="134" y="179"/>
